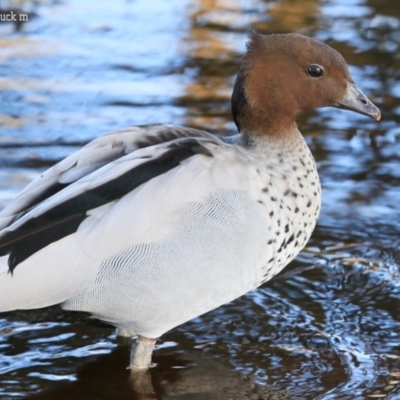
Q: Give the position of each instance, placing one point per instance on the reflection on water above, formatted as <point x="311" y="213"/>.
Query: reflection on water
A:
<point x="327" y="327"/>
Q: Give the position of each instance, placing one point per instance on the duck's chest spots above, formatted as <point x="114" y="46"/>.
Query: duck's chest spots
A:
<point x="291" y="197"/>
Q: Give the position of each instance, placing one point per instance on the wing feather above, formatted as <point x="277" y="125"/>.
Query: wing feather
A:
<point x="61" y="213"/>
<point x="90" y="158"/>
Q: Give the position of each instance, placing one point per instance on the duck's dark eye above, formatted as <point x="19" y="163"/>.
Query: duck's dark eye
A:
<point x="315" y="71"/>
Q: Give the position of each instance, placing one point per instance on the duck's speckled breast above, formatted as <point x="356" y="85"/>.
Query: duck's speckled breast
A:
<point x="291" y="195"/>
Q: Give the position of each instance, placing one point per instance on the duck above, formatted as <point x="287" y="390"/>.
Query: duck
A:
<point x="151" y="226"/>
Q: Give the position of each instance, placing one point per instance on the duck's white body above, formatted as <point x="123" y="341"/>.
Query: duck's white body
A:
<point x="152" y="226"/>
<point x="225" y="219"/>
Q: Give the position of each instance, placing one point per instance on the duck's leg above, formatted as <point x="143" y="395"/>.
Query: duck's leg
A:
<point x="123" y="332"/>
<point x="141" y="353"/>
<point x="124" y="336"/>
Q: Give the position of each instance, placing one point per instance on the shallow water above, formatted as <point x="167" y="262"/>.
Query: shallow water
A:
<point x="327" y="327"/>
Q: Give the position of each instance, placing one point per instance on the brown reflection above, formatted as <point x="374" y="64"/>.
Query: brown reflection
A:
<point x="22" y="46"/>
<point x="291" y="16"/>
<point x="209" y="379"/>
<point x="386" y="7"/>
<point x="195" y="377"/>
<point x="207" y="95"/>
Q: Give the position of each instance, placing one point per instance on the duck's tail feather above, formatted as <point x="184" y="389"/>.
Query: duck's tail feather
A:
<point x="44" y="279"/>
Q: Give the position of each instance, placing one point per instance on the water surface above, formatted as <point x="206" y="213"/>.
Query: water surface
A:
<point x="327" y="327"/>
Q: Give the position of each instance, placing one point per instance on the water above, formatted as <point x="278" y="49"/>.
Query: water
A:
<point x="327" y="327"/>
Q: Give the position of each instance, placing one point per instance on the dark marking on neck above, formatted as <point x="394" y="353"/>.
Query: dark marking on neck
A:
<point x="238" y="99"/>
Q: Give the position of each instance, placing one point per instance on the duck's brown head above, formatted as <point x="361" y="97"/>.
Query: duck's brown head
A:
<point x="283" y="76"/>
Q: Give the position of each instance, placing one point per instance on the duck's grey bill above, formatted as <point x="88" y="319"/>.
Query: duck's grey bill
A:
<point x="355" y="100"/>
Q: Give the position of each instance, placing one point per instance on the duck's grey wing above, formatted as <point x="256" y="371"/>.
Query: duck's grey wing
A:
<point x="59" y="214"/>
<point x="90" y="158"/>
